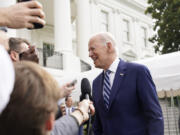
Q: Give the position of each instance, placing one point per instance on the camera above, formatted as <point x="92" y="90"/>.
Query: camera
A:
<point x="36" y="25"/>
<point x="72" y="83"/>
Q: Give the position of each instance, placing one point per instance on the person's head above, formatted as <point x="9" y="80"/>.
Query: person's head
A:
<point x="69" y="101"/>
<point x="33" y="102"/>
<point x="102" y="49"/>
<point x="16" y="47"/>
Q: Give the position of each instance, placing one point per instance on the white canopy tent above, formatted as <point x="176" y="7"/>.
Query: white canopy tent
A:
<point x="165" y="71"/>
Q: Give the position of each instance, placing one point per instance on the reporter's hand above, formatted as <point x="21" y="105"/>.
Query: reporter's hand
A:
<point x="66" y="90"/>
<point x="22" y="15"/>
<point x="81" y="113"/>
<point x="63" y="109"/>
<point x="87" y="105"/>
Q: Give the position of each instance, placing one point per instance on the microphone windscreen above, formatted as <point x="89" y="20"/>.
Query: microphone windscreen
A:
<point x="85" y="86"/>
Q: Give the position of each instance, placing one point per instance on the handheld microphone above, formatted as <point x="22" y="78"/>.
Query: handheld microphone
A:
<point x="86" y="94"/>
<point x="85" y="89"/>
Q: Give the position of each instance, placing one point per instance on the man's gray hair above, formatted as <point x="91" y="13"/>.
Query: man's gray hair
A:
<point x="106" y="37"/>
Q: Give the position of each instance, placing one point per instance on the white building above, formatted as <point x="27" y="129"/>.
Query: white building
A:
<point x="71" y="22"/>
<point x="69" y="25"/>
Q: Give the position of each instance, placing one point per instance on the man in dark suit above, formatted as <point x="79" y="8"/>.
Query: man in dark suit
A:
<point x="124" y="94"/>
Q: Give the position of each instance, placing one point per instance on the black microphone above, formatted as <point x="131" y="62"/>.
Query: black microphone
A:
<point x="85" y="89"/>
<point x="86" y="94"/>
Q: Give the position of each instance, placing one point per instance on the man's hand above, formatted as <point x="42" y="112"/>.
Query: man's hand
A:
<point x="63" y="109"/>
<point x="66" y="90"/>
<point x="22" y="15"/>
<point x="82" y="112"/>
<point x="86" y="105"/>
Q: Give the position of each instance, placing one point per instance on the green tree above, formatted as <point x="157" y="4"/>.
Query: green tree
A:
<point x="166" y="14"/>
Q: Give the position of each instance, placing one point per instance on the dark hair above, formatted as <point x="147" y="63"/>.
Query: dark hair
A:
<point x="66" y="98"/>
<point x="34" y="97"/>
<point x="14" y="44"/>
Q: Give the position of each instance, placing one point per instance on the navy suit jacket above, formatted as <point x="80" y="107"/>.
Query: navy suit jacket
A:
<point x="134" y="107"/>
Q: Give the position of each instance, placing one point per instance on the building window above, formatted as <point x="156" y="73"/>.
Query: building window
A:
<point x="144" y="36"/>
<point x="48" y="50"/>
<point x="126" y="30"/>
<point x="104" y="21"/>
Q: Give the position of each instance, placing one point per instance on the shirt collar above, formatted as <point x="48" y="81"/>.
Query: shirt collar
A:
<point x="114" y="65"/>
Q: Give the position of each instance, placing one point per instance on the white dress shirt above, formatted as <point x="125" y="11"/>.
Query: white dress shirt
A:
<point x="113" y="69"/>
<point x="68" y="110"/>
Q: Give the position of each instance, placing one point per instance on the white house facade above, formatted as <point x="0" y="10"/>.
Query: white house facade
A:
<point x="70" y="23"/>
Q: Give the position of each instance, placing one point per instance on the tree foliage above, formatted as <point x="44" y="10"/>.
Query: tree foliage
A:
<point x="166" y="14"/>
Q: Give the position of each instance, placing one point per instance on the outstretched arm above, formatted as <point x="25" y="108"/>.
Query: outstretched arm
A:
<point x="22" y="15"/>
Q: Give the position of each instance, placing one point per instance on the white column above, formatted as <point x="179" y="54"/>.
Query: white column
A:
<point x="138" y="46"/>
<point x="94" y="17"/>
<point x="83" y="28"/>
<point x="118" y="32"/>
<point x="111" y="21"/>
<point x="63" y="35"/>
<point x="62" y="26"/>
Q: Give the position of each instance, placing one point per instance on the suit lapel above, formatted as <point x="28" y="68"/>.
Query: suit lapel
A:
<point x="100" y="90"/>
<point x="119" y="76"/>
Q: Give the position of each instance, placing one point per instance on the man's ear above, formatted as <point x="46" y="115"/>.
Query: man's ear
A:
<point x="109" y="46"/>
<point x="50" y="122"/>
<point x="14" y="56"/>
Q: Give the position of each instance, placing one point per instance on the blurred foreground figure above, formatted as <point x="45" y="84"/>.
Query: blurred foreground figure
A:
<point x="6" y="78"/>
<point x="20" y="15"/>
<point x="33" y="105"/>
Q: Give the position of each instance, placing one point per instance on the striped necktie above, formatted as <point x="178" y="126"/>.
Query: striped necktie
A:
<point x="107" y="88"/>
